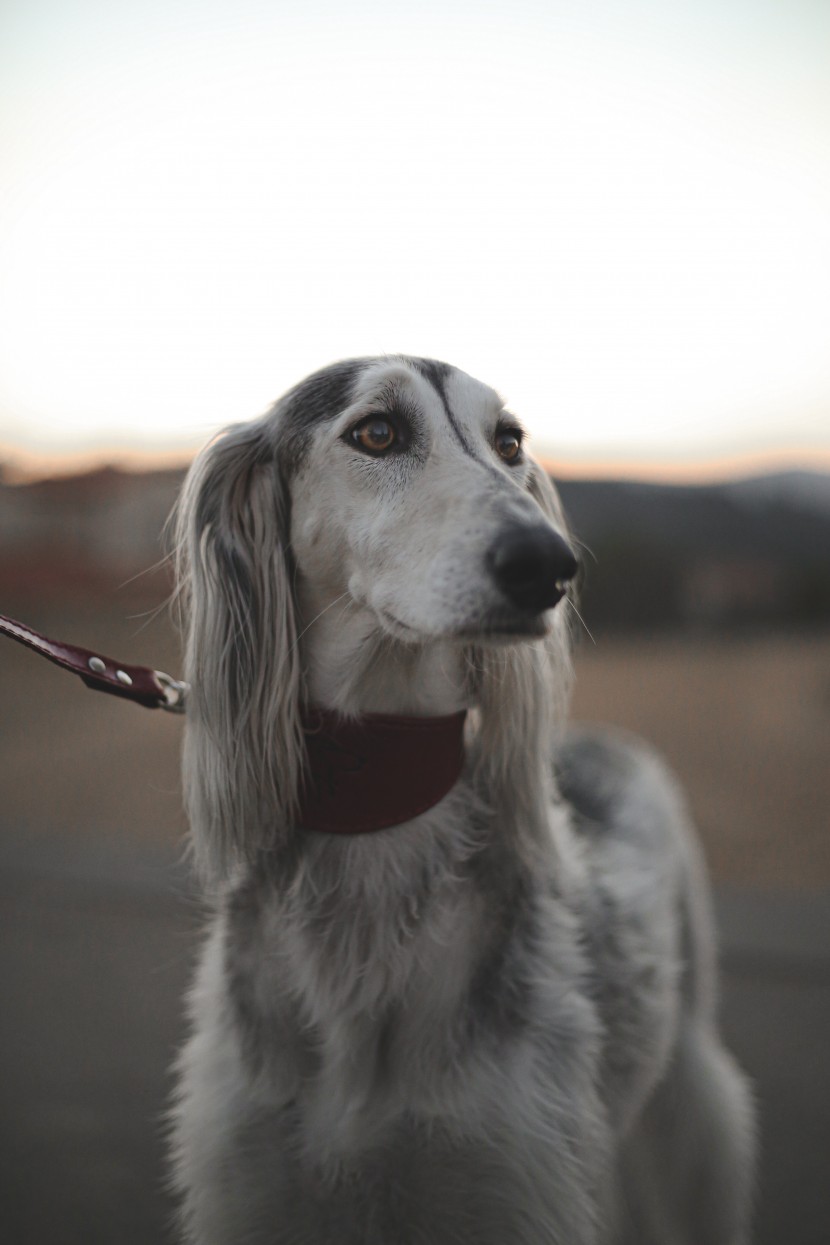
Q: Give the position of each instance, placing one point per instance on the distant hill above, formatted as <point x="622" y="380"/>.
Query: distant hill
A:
<point x="777" y="518"/>
<point x="807" y="489"/>
<point x="747" y="552"/>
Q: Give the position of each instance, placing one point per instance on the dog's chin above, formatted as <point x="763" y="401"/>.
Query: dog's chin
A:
<point x="497" y="628"/>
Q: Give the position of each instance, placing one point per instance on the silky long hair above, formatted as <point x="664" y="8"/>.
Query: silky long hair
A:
<point x="243" y="749"/>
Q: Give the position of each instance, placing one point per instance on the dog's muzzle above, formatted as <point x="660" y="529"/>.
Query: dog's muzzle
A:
<point x="532" y="566"/>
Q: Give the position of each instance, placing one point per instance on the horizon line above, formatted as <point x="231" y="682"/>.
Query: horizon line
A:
<point x="20" y="467"/>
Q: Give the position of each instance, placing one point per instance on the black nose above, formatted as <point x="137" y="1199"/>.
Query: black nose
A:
<point x="532" y="566"/>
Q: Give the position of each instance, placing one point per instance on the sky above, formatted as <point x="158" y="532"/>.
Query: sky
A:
<point x="616" y="212"/>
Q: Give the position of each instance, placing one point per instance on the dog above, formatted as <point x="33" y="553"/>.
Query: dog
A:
<point x="485" y="1012"/>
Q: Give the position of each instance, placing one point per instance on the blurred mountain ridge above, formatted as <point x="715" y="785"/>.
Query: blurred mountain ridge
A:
<point x="746" y="552"/>
<point x="808" y="489"/>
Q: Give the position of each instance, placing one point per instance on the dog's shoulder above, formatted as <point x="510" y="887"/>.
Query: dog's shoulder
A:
<point x="618" y="787"/>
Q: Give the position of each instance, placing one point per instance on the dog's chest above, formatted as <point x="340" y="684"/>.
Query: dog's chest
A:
<point x="348" y="973"/>
<point x="361" y="1014"/>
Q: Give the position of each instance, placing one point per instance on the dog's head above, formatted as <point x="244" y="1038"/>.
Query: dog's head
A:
<point x="402" y="486"/>
<point x="412" y="493"/>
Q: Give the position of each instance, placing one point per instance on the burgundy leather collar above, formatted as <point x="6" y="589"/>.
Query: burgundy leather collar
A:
<point x="377" y="771"/>
<point x="363" y="774"/>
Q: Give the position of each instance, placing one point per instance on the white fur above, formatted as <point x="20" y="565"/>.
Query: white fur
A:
<point x="494" y="1023"/>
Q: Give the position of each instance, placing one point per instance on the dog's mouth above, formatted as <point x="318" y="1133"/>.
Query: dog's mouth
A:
<point x="498" y="625"/>
<point x="398" y="628"/>
<point x="507" y="627"/>
<point x="508" y="621"/>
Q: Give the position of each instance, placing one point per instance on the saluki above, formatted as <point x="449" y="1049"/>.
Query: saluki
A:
<point x="459" y="981"/>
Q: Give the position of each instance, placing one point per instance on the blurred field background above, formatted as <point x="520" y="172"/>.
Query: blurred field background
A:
<point x="727" y="671"/>
<point x="616" y="212"/>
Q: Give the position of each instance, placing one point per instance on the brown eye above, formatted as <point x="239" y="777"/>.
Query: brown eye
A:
<point x="508" y="444"/>
<point x="375" y="436"/>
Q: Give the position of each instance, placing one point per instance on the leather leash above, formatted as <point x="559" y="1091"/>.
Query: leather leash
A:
<point x="152" y="688"/>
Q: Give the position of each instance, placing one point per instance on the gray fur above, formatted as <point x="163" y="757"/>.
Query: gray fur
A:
<point x="495" y="1023"/>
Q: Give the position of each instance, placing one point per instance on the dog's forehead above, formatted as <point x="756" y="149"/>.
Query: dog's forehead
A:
<point x="457" y="399"/>
<point x="324" y="394"/>
<point x="434" y="387"/>
<point x="462" y="396"/>
<point x="470" y="399"/>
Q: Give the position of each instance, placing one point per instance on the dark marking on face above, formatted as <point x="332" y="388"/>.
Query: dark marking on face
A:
<point x="323" y="394"/>
<point x="318" y="398"/>
<point x="432" y="370"/>
<point x="436" y="373"/>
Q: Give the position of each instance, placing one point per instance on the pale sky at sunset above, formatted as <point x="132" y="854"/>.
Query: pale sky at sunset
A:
<point x="616" y="212"/>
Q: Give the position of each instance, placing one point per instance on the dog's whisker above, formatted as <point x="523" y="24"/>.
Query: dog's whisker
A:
<point x="580" y="544"/>
<point x="317" y="617"/>
<point x="569" y="602"/>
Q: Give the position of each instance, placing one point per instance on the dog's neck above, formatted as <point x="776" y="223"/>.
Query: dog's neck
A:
<point x="351" y="666"/>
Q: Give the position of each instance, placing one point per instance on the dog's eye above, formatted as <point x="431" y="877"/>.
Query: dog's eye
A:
<point x="509" y="444"/>
<point x="374" y="435"/>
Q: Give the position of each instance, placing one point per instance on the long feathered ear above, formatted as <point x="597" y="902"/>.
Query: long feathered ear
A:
<point x="243" y="746"/>
<point x="523" y="692"/>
